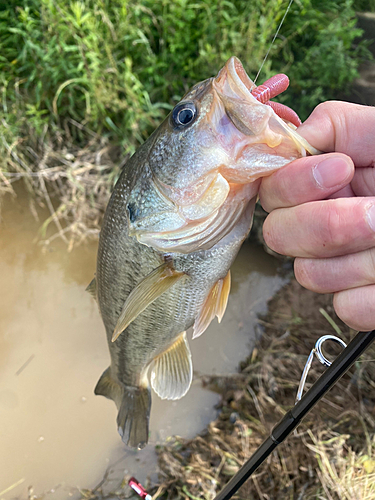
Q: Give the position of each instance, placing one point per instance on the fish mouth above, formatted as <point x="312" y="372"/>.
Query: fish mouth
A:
<point x="240" y="121"/>
<point x="233" y="89"/>
<point x="233" y="81"/>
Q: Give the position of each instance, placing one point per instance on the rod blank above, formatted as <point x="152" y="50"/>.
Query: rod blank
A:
<point x="294" y="416"/>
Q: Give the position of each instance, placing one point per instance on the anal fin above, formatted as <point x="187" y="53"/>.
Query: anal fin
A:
<point x="214" y="305"/>
<point x="172" y="370"/>
<point x="149" y="289"/>
<point x="91" y="288"/>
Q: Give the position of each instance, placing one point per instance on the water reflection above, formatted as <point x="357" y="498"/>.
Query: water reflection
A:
<point x="56" y="435"/>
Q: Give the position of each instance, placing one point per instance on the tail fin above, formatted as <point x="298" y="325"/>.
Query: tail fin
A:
<point x="133" y="416"/>
<point x="134" y="405"/>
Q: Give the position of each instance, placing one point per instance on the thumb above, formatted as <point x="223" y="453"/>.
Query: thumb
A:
<point x="342" y="127"/>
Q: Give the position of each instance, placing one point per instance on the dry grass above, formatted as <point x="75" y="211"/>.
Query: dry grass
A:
<point x="73" y="183"/>
<point x="344" y="473"/>
<point x="332" y="455"/>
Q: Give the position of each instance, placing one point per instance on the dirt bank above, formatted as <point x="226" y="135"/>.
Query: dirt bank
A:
<point x="332" y="455"/>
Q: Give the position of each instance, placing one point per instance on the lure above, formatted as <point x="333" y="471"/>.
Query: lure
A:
<point x="271" y="88"/>
<point x="138" y="488"/>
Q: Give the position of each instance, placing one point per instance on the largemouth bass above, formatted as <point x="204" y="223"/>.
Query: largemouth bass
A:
<point x="174" y="224"/>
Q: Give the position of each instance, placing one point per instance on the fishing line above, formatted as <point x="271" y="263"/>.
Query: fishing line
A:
<point x="274" y="38"/>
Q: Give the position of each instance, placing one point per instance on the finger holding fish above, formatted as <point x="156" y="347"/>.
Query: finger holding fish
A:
<point x="332" y="234"/>
<point x="321" y="229"/>
<point x="342" y="127"/>
<point x="308" y="179"/>
<point x="332" y="275"/>
<point x="346" y="131"/>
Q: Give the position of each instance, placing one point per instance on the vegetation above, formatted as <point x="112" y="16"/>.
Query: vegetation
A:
<point x="83" y="83"/>
<point x="364" y="5"/>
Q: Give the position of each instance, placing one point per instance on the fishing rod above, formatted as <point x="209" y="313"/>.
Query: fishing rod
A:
<point x="304" y="405"/>
<point x="293" y="417"/>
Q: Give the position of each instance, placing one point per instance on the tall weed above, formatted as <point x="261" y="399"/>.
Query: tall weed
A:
<point x="78" y="74"/>
<point x="117" y="66"/>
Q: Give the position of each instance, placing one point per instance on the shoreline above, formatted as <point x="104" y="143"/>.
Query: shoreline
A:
<point x="333" y="451"/>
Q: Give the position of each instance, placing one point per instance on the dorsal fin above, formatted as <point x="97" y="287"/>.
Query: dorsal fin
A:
<point x="91" y="288"/>
<point x="172" y="370"/>
<point x="149" y="289"/>
<point x="214" y="305"/>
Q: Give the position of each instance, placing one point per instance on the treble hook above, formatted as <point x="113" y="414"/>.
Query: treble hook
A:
<point x="317" y="351"/>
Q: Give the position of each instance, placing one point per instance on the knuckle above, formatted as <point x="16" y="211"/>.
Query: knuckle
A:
<point x="325" y="109"/>
<point x="341" y="225"/>
<point x="329" y="109"/>
<point x="302" y="272"/>
<point x="371" y="263"/>
<point x="334" y="234"/>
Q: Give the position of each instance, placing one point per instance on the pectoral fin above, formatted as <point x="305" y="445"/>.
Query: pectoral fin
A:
<point x="91" y="288"/>
<point x="172" y="370"/>
<point x="149" y="289"/>
<point x="214" y="305"/>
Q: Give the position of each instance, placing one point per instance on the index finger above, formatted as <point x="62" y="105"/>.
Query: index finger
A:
<point x="312" y="178"/>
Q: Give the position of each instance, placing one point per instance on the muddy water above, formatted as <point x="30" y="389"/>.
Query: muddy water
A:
<point x="55" y="435"/>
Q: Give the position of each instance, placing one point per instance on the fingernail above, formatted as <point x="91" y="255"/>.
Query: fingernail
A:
<point x="332" y="172"/>
<point x="370" y="214"/>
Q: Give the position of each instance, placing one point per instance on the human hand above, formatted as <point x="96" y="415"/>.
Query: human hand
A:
<point x="322" y="210"/>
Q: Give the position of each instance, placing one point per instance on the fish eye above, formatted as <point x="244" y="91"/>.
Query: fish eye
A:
<point x="184" y="114"/>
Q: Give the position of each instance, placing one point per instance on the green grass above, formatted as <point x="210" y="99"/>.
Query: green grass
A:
<point x="364" y="5"/>
<point x="117" y="66"/>
<point x="89" y="74"/>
